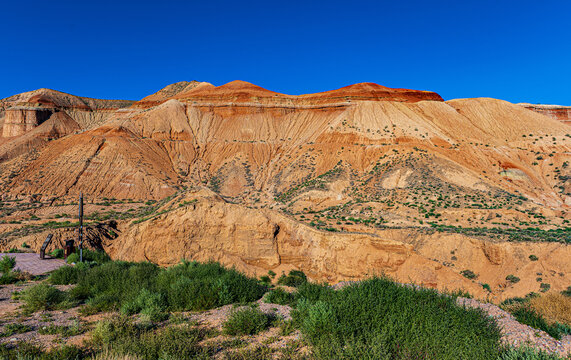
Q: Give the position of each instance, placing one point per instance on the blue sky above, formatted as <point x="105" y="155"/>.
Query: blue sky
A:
<point x="512" y="50"/>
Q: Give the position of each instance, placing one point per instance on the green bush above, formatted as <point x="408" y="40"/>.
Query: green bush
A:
<point x="7" y="264"/>
<point x="247" y="321"/>
<point x="533" y="258"/>
<point x="183" y="287"/>
<point x="567" y="292"/>
<point x="294" y="278"/>
<point x="512" y="278"/>
<point x="66" y="275"/>
<point x="72" y="258"/>
<point x="152" y="305"/>
<point x="279" y="296"/>
<point x="314" y="292"/>
<point x="380" y="319"/>
<point x="469" y="274"/>
<point x="99" y="257"/>
<point x="57" y="253"/>
<point x="42" y="297"/>
<point x="121" y="337"/>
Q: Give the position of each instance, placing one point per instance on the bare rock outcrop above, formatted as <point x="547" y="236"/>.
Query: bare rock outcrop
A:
<point x="556" y="112"/>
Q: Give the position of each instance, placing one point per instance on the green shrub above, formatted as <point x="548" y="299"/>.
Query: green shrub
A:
<point x="7" y="264"/>
<point x="183" y="287"/>
<point x="42" y="297"/>
<point x="314" y="292"/>
<point x="57" y="253"/>
<point x="99" y="257"/>
<point x="63" y="330"/>
<point x="533" y="258"/>
<point x="121" y="337"/>
<point x="567" y="292"/>
<point x="66" y="275"/>
<point x="512" y="278"/>
<point x="544" y="287"/>
<point x="279" y="296"/>
<point x="294" y="278"/>
<point x="152" y="305"/>
<point x="72" y="258"/>
<point x="11" y="329"/>
<point x="247" y="321"/>
<point x="377" y="318"/>
<point x="28" y="351"/>
<point x="8" y="278"/>
<point x="487" y="287"/>
<point x="469" y="274"/>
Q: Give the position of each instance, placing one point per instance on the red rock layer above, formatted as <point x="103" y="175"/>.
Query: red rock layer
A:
<point x="557" y="112"/>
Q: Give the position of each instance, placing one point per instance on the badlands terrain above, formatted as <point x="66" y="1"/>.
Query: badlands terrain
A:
<point x="470" y="194"/>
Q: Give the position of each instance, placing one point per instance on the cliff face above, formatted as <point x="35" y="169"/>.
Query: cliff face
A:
<point x="23" y="112"/>
<point x="556" y="112"/>
<point x="19" y="120"/>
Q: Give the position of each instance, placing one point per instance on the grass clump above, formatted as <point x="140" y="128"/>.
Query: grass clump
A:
<point x="279" y="296"/>
<point x="28" y="351"/>
<point x="380" y="319"/>
<point x="247" y="321"/>
<point x="67" y="275"/>
<point x="527" y="353"/>
<point x="42" y="297"/>
<point x="122" y="337"/>
<point x="11" y="329"/>
<point x="294" y="278"/>
<point x="528" y="315"/>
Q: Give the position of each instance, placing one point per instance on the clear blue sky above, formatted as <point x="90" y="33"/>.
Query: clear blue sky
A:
<point x="512" y="50"/>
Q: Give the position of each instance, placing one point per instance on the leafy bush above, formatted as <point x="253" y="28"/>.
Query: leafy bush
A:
<point x="152" y="305"/>
<point x="247" y="321"/>
<point x="544" y="287"/>
<point x="380" y="319"/>
<point x="42" y="297"/>
<point x="120" y="336"/>
<point x="567" y="292"/>
<point x="99" y="257"/>
<point x="7" y="264"/>
<point x="66" y="275"/>
<point x="183" y="287"/>
<point x="533" y="258"/>
<point x="512" y="278"/>
<point x="279" y="296"/>
<point x="72" y="258"/>
<point x="314" y="292"/>
<point x="57" y="253"/>
<point x="469" y="274"/>
<point x="294" y="278"/>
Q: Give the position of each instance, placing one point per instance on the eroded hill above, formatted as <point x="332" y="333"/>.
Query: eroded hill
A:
<point x="361" y="179"/>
